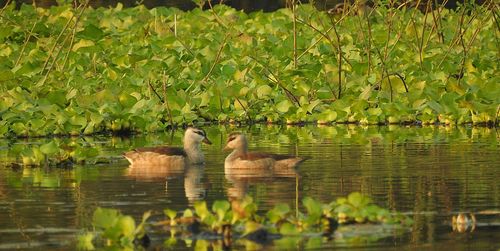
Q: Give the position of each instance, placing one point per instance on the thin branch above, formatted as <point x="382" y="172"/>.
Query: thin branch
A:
<point x="400" y="77"/>
<point x="314" y="44"/>
<point x="496" y="116"/>
<point x="326" y="36"/>
<point x="174" y="31"/>
<point x="83" y="8"/>
<point x="165" y="99"/>
<point x="278" y="82"/>
<point x="217" y="18"/>
<point x="25" y="43"/>
<point x="294" y="34"/>
<point x="5" y="7"/>
<point x="244" y="109"/>
<point x="217" y="58"/>
<point x="66" y="57"/>
<point x="459" y="33"/>
<point x="55" y="44"/>
<point x="339" y="50"/>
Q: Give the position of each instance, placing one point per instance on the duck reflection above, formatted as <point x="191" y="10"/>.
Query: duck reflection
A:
<point x="462" y="222"/>
<point x="278" y="183"/>
<point x="194" y="188"/>
<point x="243" y="168"/>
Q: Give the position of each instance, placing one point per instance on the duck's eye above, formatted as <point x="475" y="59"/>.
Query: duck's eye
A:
<point x="231" y="138"/>
<point x="202" y="133"/>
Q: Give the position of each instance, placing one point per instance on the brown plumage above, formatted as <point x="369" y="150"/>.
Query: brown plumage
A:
<point x="241" y="158"/>
<point x="165" y="150"/>
<point x="259" y="155"/>
<point x="174" y="157"/>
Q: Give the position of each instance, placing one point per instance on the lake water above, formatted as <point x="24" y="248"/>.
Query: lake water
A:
<point x="429" y="173"/>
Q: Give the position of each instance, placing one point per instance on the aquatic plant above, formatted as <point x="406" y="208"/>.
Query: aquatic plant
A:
<point x="114" y="229"/>
<point x="228" y="221"/>
<point x="77" y="70"/>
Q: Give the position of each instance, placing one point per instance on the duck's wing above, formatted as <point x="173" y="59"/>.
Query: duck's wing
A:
<point x="259" y="155"/>
<point x="163" y="150"/>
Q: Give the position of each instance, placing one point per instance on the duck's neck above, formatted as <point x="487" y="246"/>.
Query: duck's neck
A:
<point x="239" y="152"/>
<point x="193" y="151"/>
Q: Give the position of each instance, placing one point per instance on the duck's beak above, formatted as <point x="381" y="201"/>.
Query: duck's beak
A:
<point x="226" y="148"/>
<point x="207" y="141"/>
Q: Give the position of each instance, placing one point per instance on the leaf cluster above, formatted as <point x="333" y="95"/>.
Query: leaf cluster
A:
<point x="74" y="71"/>
<point x="241" y="220"/>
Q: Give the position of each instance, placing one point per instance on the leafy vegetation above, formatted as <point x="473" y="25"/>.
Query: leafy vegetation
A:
<point x="80" y="70"/>
<point x="240" y="220"/>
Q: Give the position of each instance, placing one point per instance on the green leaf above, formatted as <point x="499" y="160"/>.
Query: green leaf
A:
<point x="104" y="218"/>
<point x="91" y="32"/>
<point x="57" y="98"/>
<point x="312" y="105"/>
<point x="85" y="241"/>
<point x="187" y="213"/>
<point x="366" y="92"/>
<point x="171" y="214"/>
<point x="6" y="75"/>
<point x="127" y="225"/>
<point x="357" y="199"/>
<point x="82" y="44"/>
<point x="250" y="227"/>
<point x="49" y="148"/>
<point x="264" y="90"/>
<point x="284" y="106"/>
<point x="127" y="100"/>
<point x="435" y="106"/>
<point x="220" y="207"/>
<point x="228" y="70"/>
<point x="289" y="229"/>
<point x="278" y="213"/>
<point x="312" y="206"/>
<point x="200" y="208"/>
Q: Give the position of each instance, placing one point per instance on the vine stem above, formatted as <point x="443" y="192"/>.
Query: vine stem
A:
<point x="25" y="43"/>
<point x="277" y="81"/>
<point x="339" y="51"/>
<point x="496" y="116"/>
<point x="294" y="34"/>
<point x="5" y="7"/>
<point x="165" y="99"/>
<point x="55" y="44"/>
<point x="217" y="58"/>
<point x="83" y="7"/>
<point x="244" y="109"/>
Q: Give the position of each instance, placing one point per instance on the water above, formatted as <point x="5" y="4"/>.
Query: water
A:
<point x="430" y="173"/>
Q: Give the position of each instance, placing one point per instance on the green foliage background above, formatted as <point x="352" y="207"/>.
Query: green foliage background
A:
<point x="68" y="70"/>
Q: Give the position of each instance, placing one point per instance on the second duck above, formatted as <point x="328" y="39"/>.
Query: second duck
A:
<point x="241" y="158"/>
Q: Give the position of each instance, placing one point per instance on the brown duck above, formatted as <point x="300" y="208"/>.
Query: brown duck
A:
<point x="241" y="159"/>
<point x="175" y="157"/>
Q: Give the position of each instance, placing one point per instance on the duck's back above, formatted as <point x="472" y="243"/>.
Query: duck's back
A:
<point x="151" y="156"/>
<point x="258" y="160"/>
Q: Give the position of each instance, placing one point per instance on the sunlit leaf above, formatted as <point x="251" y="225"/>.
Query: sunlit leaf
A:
<point x="49" y="148"/>
<point x="82" y="44"/>
<point x="104" y="218"/>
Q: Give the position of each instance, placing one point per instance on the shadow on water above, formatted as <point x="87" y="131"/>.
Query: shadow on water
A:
<point x="433" y="174"/>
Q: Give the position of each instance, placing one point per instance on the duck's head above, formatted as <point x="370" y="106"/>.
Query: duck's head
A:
<point x="197" y="135"/>
<point x="236" y="140"/>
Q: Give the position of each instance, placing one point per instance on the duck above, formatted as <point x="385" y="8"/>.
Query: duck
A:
<point x="240" y="160"/>
<point x="172" y="157"/>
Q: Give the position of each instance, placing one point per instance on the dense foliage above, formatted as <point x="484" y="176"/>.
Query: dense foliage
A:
<point x="68" y="70"/>
<point x="240" y="219"/>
